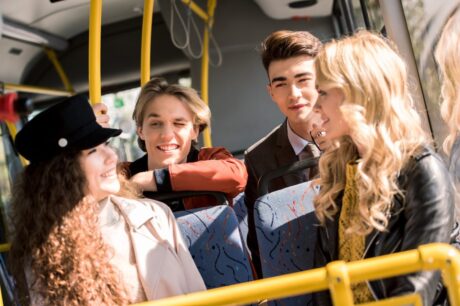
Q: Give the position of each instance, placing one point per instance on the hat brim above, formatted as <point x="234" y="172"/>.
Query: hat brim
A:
<point x="95" y="138"/>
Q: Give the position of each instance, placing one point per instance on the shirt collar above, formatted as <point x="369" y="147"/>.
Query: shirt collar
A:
<point x="297" y="142"/>
<point x="134" y="211"/>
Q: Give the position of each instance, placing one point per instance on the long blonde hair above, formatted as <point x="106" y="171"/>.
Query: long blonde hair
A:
<point x="448" y="57"/>
<point x="379" y="111"/>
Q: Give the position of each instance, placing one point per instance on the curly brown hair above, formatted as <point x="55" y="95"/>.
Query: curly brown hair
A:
<point x="57" y="238"/>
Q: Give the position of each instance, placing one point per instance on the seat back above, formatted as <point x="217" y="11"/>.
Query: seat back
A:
<point x="175" y="199"/>
<point x="241" y="212"/>
<point x="296" y="167"/>
<point x="286" y="233"/>
<point x="214" y="241"/>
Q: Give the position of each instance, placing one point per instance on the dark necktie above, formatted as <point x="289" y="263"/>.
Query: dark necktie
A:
<point x="309" y="151"/>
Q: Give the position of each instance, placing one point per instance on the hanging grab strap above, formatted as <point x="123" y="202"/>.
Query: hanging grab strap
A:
<point x="171" y="30"/>
<point x="213" y="41"/>
<point x="191" y="20"/>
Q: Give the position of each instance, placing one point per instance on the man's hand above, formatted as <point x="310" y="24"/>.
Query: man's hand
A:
<point x="145" y="181"/>
<point x="100" y="111"/>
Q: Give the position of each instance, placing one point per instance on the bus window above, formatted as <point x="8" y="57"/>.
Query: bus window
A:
<point x="120" y="109"/>
<point x="7" y="169"/>
<point x="4" y="176"/>
<point x="419" y="16"/>
<point x="358" y="14"/>
<point x="371" y="11"/>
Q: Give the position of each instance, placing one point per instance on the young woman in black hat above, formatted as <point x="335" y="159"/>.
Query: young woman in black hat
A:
<point x="74" y="241"/>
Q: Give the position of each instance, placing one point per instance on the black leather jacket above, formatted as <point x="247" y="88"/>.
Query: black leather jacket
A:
<point x="424" y="215"/>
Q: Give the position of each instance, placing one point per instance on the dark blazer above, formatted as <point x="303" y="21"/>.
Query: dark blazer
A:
<point x="424" y="215"/>
<point x="269" y="153"/>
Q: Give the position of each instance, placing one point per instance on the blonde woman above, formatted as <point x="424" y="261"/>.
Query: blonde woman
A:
<point x="383" y="189"/>
<point x="448" y="57"/>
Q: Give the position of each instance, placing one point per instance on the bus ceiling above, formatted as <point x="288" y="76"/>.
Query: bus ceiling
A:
<point x="286" y="9"/>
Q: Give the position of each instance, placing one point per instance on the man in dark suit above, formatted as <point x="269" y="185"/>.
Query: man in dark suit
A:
<point x="288" y="58"/>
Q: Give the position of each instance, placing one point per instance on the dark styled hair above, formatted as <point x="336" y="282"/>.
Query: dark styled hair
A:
<point x="285" y="44"/>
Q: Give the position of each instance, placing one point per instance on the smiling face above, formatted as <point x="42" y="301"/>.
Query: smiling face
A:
<point x="328" y="106"/>
<point x="99" y="165"/>
<point x="292" y="88"/>
<point x="168" y="130"/>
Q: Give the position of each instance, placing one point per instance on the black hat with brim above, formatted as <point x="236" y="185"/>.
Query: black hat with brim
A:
<point x="68" y="125"/>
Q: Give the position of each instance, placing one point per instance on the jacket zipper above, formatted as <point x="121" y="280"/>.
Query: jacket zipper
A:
<point x="369" y="245"/>
<point x="374" y="295"/>
<point x="367" y="282"/>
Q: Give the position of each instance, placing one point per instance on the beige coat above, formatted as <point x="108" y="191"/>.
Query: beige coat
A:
<point x="164" y="265"/>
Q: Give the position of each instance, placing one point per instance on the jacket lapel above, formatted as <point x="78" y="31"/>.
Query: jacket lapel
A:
<point x="149" y="247"/>
<point x="136" y="215"/>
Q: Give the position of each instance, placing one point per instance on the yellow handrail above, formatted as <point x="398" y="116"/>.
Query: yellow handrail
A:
<point x="339" y="283"/>
<point x="5" y="247"/>
<point x="196" y="9"/>
<point x="205" y="67"/>
<point x="36" y="89"/>
<point x="57" y="65"/>
<point x="95" y="51"/>
<point x="435" y="256"/>
<point x="146" y="40"/>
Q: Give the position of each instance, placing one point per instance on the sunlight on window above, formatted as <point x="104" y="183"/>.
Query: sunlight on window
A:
<point x="121" y="106"/>
<point x="421" y="15"/>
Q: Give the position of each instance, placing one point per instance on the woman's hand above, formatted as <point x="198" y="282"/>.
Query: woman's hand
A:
<point x="100" y="111"/>
<point x="145" y="181"/>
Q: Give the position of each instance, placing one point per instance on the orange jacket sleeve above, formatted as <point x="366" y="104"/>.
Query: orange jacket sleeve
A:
<point x="215" y="170"/>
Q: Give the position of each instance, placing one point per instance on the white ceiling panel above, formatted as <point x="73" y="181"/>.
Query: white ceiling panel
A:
<point x="288" y="9"/>
<point x="69" y="17"/>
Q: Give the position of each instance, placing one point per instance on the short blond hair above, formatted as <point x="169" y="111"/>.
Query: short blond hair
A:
<point x="158" y="87"/>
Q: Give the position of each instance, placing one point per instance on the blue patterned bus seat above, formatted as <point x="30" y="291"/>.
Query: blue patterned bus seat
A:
<point x="286" y="234"/>
<point x="214" y="241"/>
<point x="241" y="212"/>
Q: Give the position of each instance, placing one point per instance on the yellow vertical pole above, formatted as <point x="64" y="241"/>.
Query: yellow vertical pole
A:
<point x="435" y="256"/>
<point x="196" y="9"/>
<point x="451" y="277"/>
<point x="205" y="67"/>
<point x="146" y="40"/>
<point x="339" y="283"/>
<point x="95" y="51"/>
<point x="57" y="65"/>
